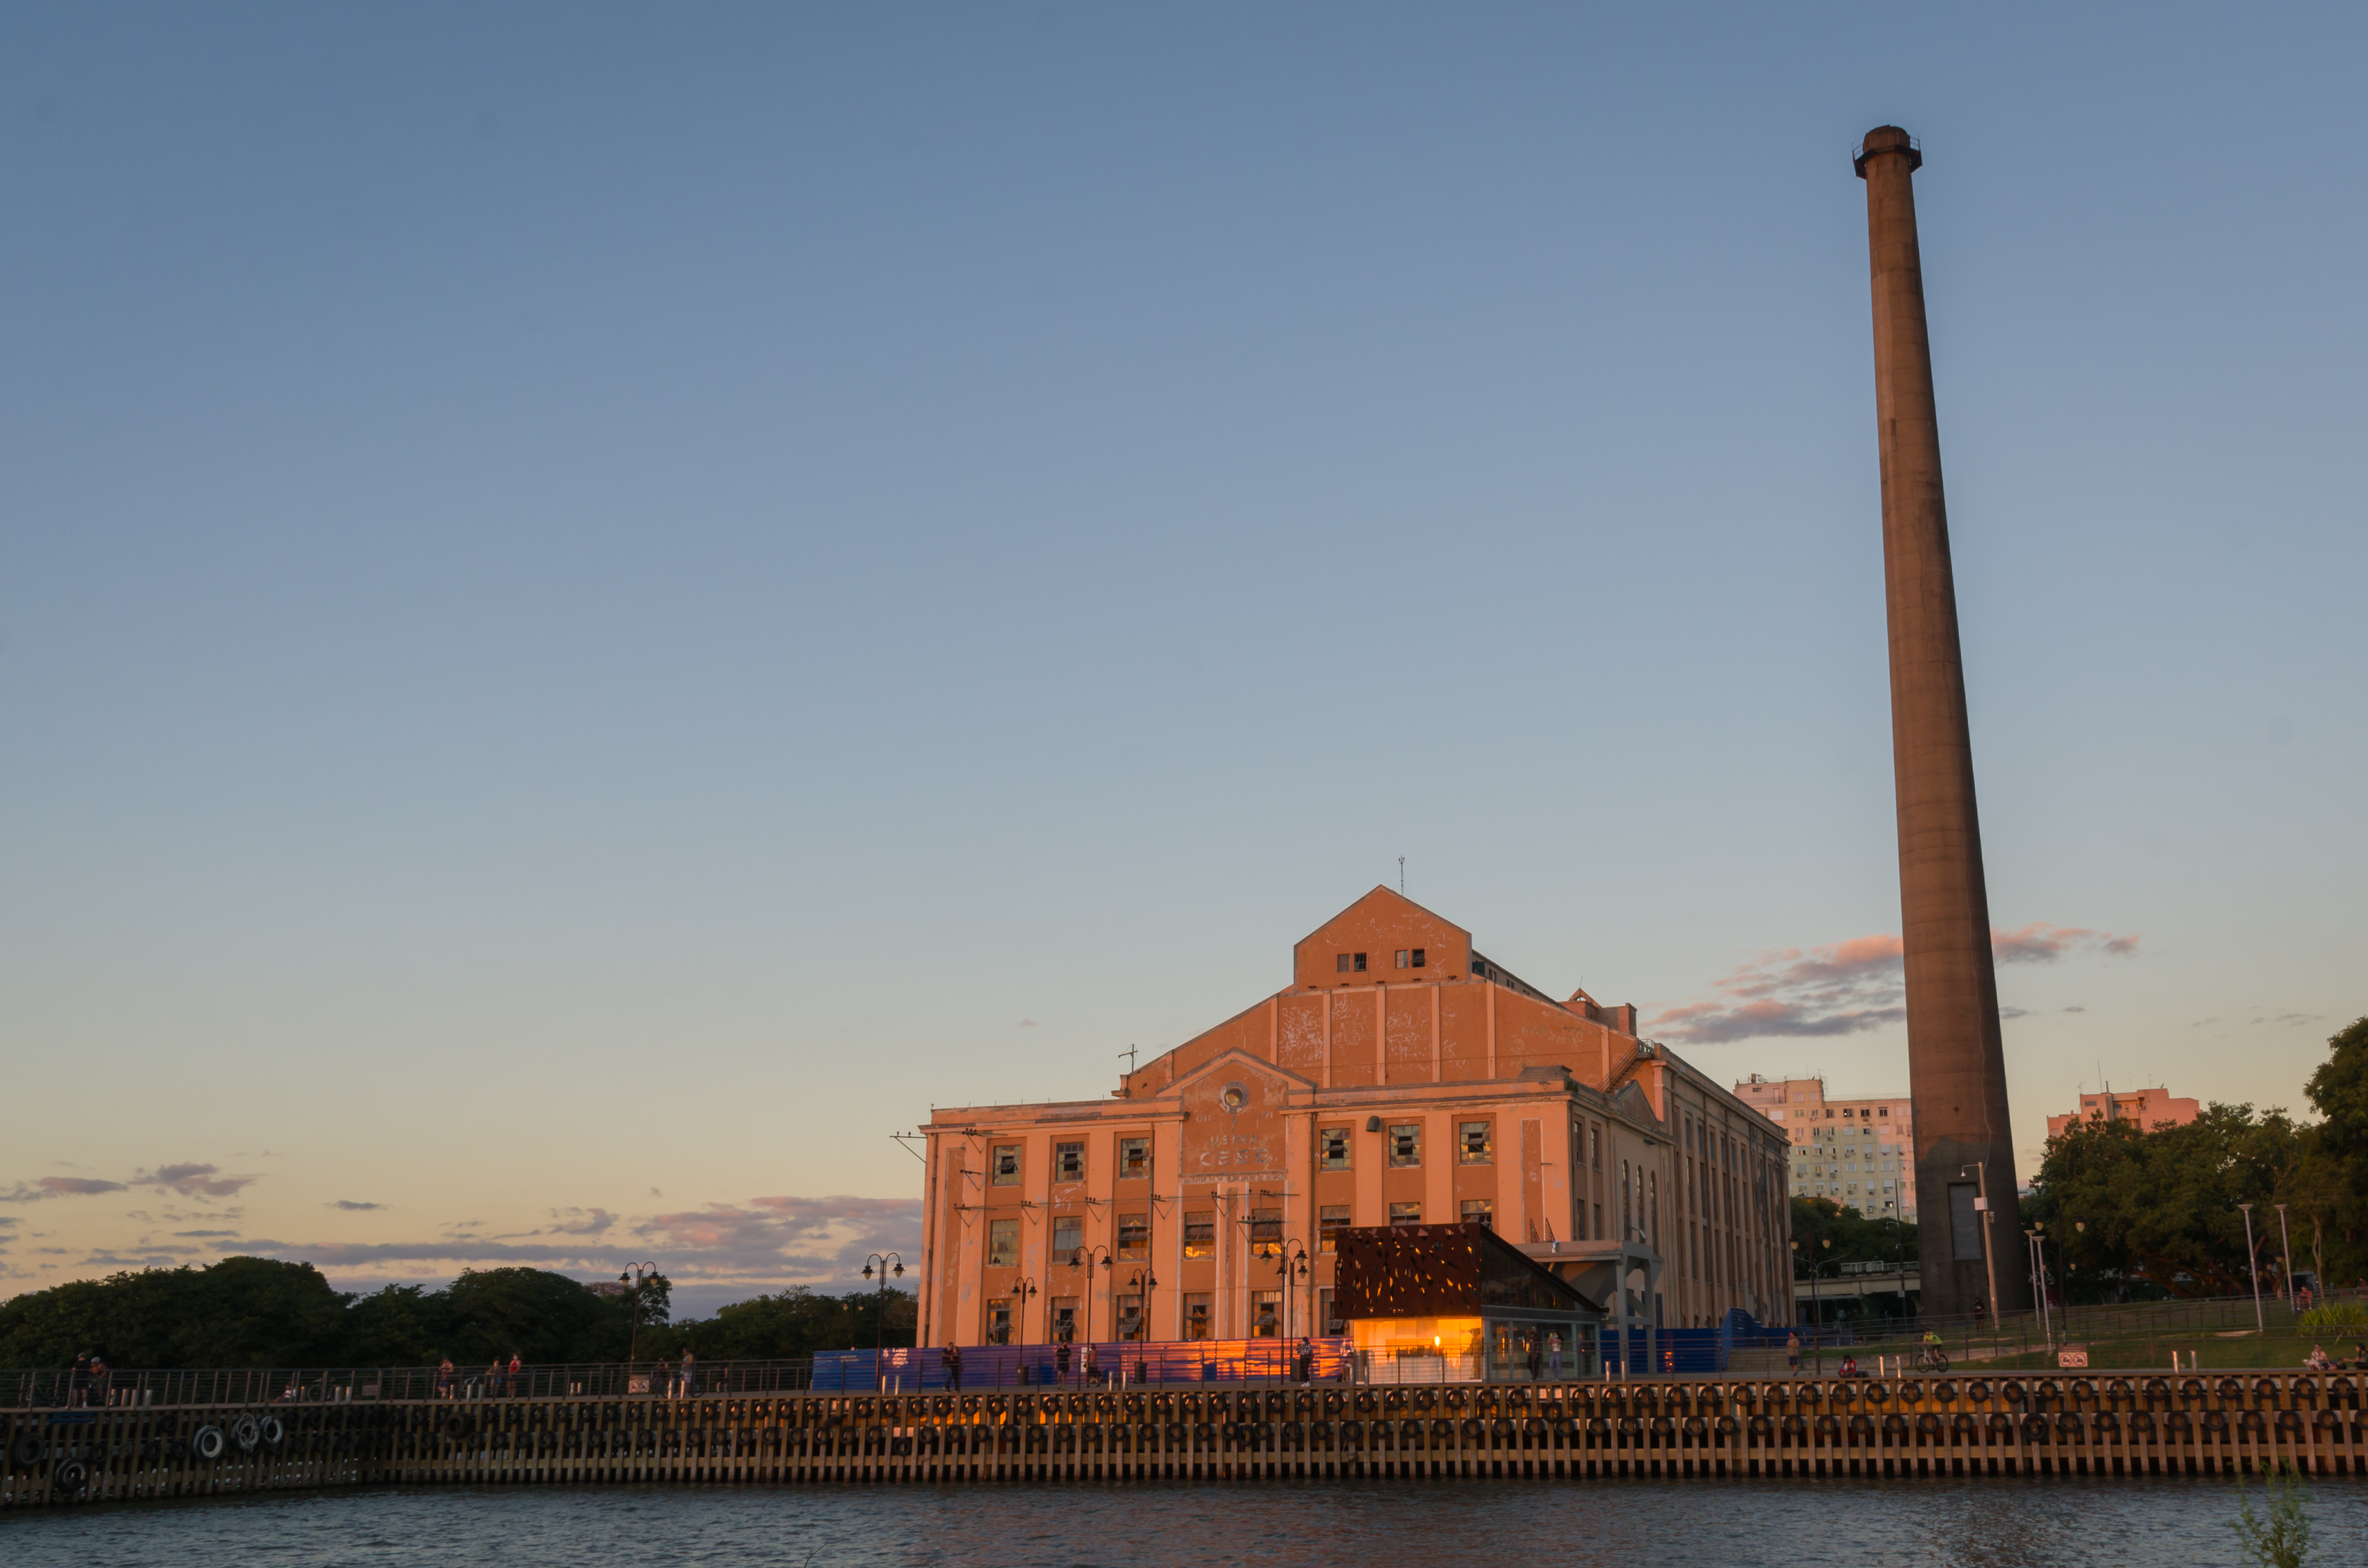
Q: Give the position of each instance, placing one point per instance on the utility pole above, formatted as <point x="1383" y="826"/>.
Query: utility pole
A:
<point x="1989" y="1264"/>
<point x="2286" y="1243"/>
<point x="2253" y="1267"/>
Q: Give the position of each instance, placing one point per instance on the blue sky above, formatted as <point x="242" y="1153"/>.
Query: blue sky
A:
<point x="598" y="605"/>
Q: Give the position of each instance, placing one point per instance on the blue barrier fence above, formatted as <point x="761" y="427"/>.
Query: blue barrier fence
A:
<point x="1039" y="1366"/>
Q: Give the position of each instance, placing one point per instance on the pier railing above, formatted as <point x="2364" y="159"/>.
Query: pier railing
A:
<point x="343" y="1385"/>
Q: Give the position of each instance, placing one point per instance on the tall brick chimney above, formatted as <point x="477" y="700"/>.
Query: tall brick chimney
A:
<point x="1956" y="1062"/>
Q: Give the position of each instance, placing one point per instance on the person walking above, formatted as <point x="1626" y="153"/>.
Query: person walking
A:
<point x="1554" y="1356"/>
<point x="951" y="1356"/>
<point x="1793" y="1350"/>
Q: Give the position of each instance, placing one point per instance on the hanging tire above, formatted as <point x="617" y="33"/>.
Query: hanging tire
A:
<point x="72" y="1476"/>
<point x="28" y="1450"/>
<point x="246" y="1431"/>
<point x="209" y="1442"/>
<point x="273" y="1431"/>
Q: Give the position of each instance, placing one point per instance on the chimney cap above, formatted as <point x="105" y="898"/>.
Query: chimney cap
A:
<point x="1886" y="139"/>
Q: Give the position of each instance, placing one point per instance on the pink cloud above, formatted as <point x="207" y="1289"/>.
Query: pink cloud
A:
<point x="1847" y="987"/>
<point x="192" y="1180"/>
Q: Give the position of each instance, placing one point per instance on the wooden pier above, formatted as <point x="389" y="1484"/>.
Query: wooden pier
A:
<point x="2128" y="1424"/>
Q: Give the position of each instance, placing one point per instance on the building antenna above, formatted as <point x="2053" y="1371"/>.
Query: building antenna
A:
<point x="1402" y="876"/>
<point x="1129" y="1054"/>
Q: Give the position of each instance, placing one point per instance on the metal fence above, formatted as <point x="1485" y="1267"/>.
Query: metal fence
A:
<point x="338" y="1385"/>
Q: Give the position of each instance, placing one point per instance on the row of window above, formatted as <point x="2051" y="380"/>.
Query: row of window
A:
<point x="1065" y="1322"/>
<point x="1354" y="963"/>
<point x="1003" y="1162"/>
<point x="1264" y="1225"/>
<point x="1474" y="1145"/>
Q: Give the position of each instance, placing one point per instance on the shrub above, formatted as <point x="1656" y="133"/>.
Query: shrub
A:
<point x="2337" y="1314"/>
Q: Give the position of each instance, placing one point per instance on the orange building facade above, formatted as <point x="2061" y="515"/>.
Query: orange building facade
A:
<point x="2149" y="1109"/>
<point x="1402" y="1078"/>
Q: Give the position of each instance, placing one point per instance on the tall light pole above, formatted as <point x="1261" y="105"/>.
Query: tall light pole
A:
<point x="632" y="1277"/>
<point x="1981" y="1169"/>
<point x="2285" y="1244"/>
<point x="2036" y="1244"/>
<point x="1021" y="1290"/>
<point x="879" y="1317"/>
<point x="1089" y="1258"/>
<point x="1291" y="1265"/>
<point x="2253" y="1267"/>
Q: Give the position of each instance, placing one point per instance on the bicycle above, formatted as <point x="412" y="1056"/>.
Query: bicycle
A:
<point x="1932" y="1359"/>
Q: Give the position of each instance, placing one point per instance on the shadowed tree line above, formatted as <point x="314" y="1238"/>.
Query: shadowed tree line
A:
<point x="2135" y="1215"/>
<point x="256" y="1311"/>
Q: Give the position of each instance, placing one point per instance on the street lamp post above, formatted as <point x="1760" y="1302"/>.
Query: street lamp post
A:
<point x="2036" y="1244"/>
<point x="632" y="1277"/>
<point x="1088" y="1259"/>
<point x="1989" y="1264"/>
<point x="879" y="1317"/>
<point x="1143" y="1283"/>
<point x="1292" y="1264"/>
<point x="2285" y="1244"/>
<point x="2253" y="1267"/>
<point x="1020" y="1290"/>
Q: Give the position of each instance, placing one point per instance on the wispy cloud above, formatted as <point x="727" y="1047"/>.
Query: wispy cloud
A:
<point x="1849" y="987"/>
<point x="350" y="1206"/>
<point x="193" y="1181"/>
<point x="59" y="1187"/>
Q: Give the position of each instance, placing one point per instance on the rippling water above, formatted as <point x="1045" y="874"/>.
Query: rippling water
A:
<point x="1900" y="1524"/>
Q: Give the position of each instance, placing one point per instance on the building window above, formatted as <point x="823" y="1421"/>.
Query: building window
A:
<point x="1418" y="958"/>
<point x="1199" y="1233"/>
<point x="1472" y="1145"/>
<point x="1595" y="1146"/>
<point x="1129" y="1317"/>
<point x="1068" y="1162"/>
<point x="999" y="1323"/>
<point x="1405" y="1214"/>
<point x="1403" y="953"/>
<point x="1479" y="1211"/>
<point x="1005" y="1164"/>
<point x="1332" y="1148"/>
<point x="1406" y="1144"/>
<point x="1068" y="1236"/>
<point x="1064" y="1319"/>
<point x="1134" y="1235"/>
<point x="1196" y="1317"/>
<point x="1358" y="963"/>
<point x="1266" y="1314"/>
<point x="1340" y="963"/>
<point x="1323" y="1313"/>
<point x="1329" y="1226"/>
<point x="1133" y="1159"/>
<point x="1266" y="1232"/>
<point x="1598" y="1222"/>
<point x="1002" y="1242"/>
<point x="1884" y="1110"/>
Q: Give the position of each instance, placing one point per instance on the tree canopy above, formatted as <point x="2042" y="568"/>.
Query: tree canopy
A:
<point x="254" y="1312"/>
<point x="2132" y="1212"/>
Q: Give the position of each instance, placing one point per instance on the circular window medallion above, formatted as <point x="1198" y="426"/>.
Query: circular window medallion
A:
<point x="1235" y="1097"/>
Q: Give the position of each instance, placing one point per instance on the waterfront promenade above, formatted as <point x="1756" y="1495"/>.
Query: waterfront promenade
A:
<point x="1671" y="1429"/>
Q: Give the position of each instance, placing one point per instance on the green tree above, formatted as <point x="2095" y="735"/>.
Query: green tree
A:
<point x="2133" y="1211"/>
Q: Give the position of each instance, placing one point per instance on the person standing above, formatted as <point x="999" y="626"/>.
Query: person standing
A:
<point x="518" y="1378"/>
<point x="1093" y="1366"/>
<point x="444" y="1379"/>
<point x="1554" y="1356"/>
<point x="689" y="1372"/>
<point x="78" y="1378"/>
<point x="1061" y="1363"/>
<point x="951" y="1356"/>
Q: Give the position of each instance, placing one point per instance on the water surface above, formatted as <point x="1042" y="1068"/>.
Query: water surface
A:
<point x="2061" y="1523"/>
